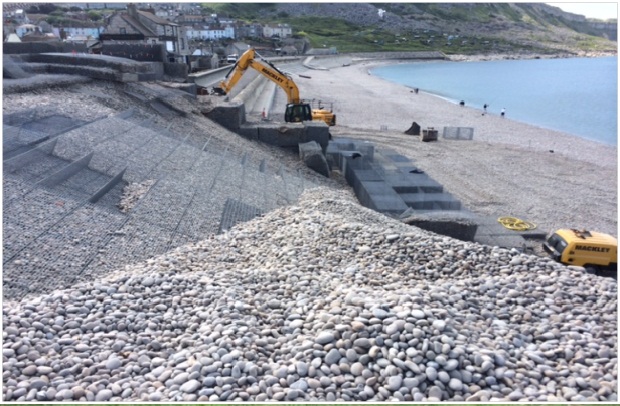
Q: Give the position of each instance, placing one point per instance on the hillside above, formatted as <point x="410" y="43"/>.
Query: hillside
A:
<point x="447" y="27"/>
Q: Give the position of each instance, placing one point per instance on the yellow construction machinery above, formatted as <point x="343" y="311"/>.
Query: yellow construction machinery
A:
<point x="296" y="109"/>
<point x="597" y="252"/>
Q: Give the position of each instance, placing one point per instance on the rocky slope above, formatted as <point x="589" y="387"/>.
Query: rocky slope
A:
<point x="538" y="25"/>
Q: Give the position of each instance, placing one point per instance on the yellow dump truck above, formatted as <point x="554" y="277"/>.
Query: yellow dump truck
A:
<point x="597" y="252"/>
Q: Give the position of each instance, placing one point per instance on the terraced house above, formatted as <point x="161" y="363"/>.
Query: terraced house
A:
<point x="136" y="26"/>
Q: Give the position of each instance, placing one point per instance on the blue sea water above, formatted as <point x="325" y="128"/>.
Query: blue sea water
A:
<point x="578" y="96"/>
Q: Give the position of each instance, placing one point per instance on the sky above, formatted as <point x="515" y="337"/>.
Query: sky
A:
<point x="600" y="10"/>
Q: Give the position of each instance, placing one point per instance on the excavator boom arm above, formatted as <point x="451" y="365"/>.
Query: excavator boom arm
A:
<point x="248" y="60"/>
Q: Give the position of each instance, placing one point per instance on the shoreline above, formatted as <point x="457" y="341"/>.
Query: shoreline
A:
<point x="440" y="112"/>
<point x="479" y="109"/>
<point x="510" y="168"/>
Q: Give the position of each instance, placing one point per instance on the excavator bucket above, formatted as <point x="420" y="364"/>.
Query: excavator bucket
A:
<point x="414" y="129"/>
<point x="218" y="91"/>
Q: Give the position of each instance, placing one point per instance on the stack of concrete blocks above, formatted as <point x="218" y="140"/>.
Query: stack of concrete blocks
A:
<point x="388" y="183"/>
<point x="285" y="135"/>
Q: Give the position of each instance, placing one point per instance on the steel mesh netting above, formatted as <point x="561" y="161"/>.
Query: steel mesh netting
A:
<point x="458" y="133"/>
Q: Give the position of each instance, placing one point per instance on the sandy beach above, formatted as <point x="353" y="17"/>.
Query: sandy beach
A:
<point x="510" y="168"/>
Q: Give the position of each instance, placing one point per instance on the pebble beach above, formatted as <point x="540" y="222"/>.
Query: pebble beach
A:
<point x="325" y="300"/>
<point x="510" y="168"/>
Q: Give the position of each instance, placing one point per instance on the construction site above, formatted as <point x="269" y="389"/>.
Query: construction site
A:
<point x="193" y="175"/>
<point x="164" y="243"/>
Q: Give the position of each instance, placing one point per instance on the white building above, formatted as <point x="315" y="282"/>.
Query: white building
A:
<point x="82" y="32"/>
<point x="277" y="30"/>
<point x="26" y="29"/>
<point x="206" y="33"/>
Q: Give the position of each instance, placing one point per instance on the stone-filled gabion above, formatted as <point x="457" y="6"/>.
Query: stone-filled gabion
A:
<point x="323" y="301"/>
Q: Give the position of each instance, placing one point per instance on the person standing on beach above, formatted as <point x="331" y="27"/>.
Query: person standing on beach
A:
<point x="503" y="111"/>
<point x="485" y="107"/>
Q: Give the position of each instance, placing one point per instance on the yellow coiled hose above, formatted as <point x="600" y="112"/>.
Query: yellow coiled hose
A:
<point x="513" y="223"/>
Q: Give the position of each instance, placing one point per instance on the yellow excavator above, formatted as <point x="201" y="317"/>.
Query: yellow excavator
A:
<point x="296" y="109"/>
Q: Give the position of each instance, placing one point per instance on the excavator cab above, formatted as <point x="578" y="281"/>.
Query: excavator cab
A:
<point x="296" y="113"/>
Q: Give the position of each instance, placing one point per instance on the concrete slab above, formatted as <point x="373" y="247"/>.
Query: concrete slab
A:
<point x="413" y="183"/>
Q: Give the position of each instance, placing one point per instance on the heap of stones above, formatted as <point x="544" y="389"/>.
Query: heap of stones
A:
<point x="322" y="301"/>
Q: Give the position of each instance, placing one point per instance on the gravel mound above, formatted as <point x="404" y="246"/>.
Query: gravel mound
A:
<point x="324" y="300"/>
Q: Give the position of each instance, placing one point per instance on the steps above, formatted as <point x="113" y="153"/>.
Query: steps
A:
<point x="62" y="223"/>
<point x="389" y="183"/>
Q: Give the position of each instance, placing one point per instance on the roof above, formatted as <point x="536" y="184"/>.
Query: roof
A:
<point x="156" y="19"/>
<point x="13" y="38"/>
<point x="138" y="25"/>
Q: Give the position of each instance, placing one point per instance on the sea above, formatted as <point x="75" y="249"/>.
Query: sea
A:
<point x="578" y="96"/>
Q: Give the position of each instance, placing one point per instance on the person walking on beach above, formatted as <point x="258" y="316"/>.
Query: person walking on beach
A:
<point x="503" y="111"/>
<point x="485" y="107"/>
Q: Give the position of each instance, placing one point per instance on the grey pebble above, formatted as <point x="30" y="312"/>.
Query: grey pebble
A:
<point x="325" y="301"/>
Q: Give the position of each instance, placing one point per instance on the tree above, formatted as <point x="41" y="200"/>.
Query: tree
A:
<point x="47" y="8"/>
<point x="94" y="16"/>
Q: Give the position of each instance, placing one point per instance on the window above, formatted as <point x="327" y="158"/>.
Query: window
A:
<point x="123" y="30"/>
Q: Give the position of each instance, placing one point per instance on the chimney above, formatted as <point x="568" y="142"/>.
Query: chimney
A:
<point x="132" y="10"/>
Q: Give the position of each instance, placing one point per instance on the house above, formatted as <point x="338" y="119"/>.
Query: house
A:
<point x="96" y="6"/>
<point x="190" y="19"/>
<point x="25" y="29"/>
<point x="13" y="38"/>
<point x="250" y="31"/>
<point x="289" y="50"/>
<point x="72" y="32"/>
<point x="277" y="30"/>
<point x="141" y="27"/>
<point x="203" y="32"/>
<point x="38" y="36"/>
<point x="237" y="48"/>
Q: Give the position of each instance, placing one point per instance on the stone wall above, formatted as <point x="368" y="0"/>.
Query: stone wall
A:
<point x="42" y="47"/>
<point x="176" y="70"/>
<point x="137" y="52"/>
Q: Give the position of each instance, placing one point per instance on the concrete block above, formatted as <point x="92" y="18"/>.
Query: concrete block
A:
<point x="342" y="145"/>
<point x="378" y="196"/>
<point x="312" y="155"/>
<point x="412" y="183"/>
<point x="287" y="136"/>
<point x="342" y="157"/>
<point x="457" y="224"/>
<point x="431" y="201"/>
<point x="230" y="115"/>
<point x="354" y="177"/>
<point x="316" y="131"/>
<point x="249" y="131"/>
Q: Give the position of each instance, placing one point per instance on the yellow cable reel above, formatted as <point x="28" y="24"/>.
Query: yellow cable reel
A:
<point x="513" y="223"/>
